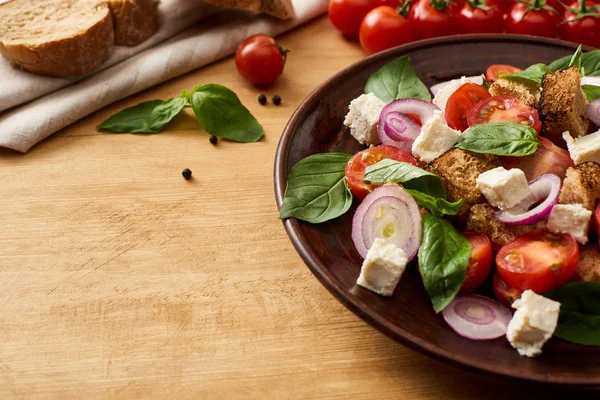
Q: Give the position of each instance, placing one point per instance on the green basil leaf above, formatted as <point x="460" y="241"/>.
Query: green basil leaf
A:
<point x="579" y="320"/>
<point x="411" y="177"/>
<point x="576" y="58"/>
<point x="532" y="74"/>
<point x="592" y="92"/>
<point x="147" y="117"/>
<point x="590" y="63"/>
<point x="436" y="206"/>
<point x="443" y="260"/>
<point x="221" y="113"/>
<point x="317" y="190"/>
<point x="397" y="80"/>
<point x="500" y="138"/>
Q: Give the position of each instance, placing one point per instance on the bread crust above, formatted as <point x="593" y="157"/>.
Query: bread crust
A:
<point x="134" y="20"/>
<point x="282" y="9"/>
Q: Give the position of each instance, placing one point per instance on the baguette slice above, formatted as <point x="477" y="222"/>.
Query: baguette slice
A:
<point x="282" y="9"/>
<point x="134" y="20"/>
<point x="62" y="38"/>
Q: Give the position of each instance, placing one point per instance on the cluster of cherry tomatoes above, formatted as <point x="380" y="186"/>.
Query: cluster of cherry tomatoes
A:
<point x="381" y="24"/>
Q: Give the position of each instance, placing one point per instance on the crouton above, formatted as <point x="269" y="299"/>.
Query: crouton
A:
<point x="459" y="170"/>
<point x="527" y="93"/>
<point x="582" y="185"/>
<point x="482" y="218"/>
<point x="588" y="267"/>
<point x="563" y="106"/>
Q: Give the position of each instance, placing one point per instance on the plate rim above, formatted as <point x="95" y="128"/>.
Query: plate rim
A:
<point x="292" y="225"/>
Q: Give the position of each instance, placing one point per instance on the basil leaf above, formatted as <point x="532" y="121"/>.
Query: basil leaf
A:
<point x="579" y="319"/>
<point x="443" y="260"/>
<point x="592" y="92"/>
<point x="500" y="138"/>
<point x="576" y="58"/>
<point x="397" y="80"/>
<point x="317" y="190"/>
<point x="590" y="63"/>
<point x="436" y="206"/>
<point x="532" y="74"/>
<point x="411" y="177"/>
<point x="147" y="117"/>
<point x="221" y="113"/>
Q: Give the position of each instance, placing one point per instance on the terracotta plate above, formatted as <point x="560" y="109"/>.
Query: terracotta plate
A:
<point x="327" y="249"/>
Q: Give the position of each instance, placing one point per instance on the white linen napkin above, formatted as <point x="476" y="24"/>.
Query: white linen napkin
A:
<point x="64" y="102"/>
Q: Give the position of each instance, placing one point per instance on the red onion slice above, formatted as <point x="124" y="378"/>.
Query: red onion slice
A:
<point x="477" y="317"/>
<point x="391" y="214"/>
<point x="547" y="188"/>
<point x="593" y="111"/>
<point x="435" y="89"/>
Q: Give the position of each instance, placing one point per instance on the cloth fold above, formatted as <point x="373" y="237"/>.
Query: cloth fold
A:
<point x="60" y="102"/>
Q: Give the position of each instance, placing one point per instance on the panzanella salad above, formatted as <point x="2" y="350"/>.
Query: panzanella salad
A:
<point x="497" y="177"/>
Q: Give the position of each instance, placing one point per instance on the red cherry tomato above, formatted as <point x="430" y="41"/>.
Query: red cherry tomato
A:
<point x="504" y="293"/>
<point x="505" y="5"/>
<point x="391" y="3"/>
<point x="346" y="15"/>
<point x="538" y="260"/>
<point x="355" y="169"/>
<point x="485" y="17"/>
<point x="384" y="28"/>
<point x="259" y="60"/>
<point x="579" y="28"/>
<point x="432" y="18"/>
<point x="504" y="109"/>
<point x="461" y="102"/>
<point x="480" y="262"/>
<point x="494" y="71"/>
<point x="530" y="20"/>
<point x="547" y="159"/>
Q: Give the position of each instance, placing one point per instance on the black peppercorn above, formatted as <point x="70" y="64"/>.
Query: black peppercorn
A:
<point x="276" y="100"/>
<point x="187" y="174"/>
<point x="262" y="99"/>
<point x="214" y="140"/>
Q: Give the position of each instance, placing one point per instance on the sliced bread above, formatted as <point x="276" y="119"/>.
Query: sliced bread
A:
<point x="134" y="20"/>
<point x="282" y="9"/>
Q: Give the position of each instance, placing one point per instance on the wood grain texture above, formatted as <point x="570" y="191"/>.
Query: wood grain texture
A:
<point x="120" y="280"/>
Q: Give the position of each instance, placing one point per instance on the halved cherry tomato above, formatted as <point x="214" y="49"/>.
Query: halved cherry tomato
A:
<point x="504" y="293"/>
<point x="383" y="28"/>
<point x="495" y="71"/>
<point x="480" y="262"/>
<point x="355" y="169"/>
<point x="548" y="158"/>
<point x="461" y="102"/>
<point x="504" y="109"/>
<point x="538" y="260"/>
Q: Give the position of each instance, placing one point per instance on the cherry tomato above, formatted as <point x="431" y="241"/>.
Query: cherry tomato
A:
<point x="485" y="17"/>
<point x="583" y="26"/>
<point x="432" y="18"/>
<point x="461" y="102"/>
<point x="538" y="260"/>
<point x="504" y="109"/>
<point x="505" y="5"/>
<point x="548" y="158"/>
<point x="504" y="293"/>
<point x="384" y="28"/>
<point x="532" y="20"/>
<point x="259" y="59"/>
<point x="346" y="15"/>
<point x="494" y="71"/>
<point x="355" y="169"/>
<point x="391" y="3"/>
<point x="480" y="262"/>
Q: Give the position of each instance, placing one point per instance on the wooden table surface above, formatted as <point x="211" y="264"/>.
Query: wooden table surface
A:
<point x="119" y="279"/>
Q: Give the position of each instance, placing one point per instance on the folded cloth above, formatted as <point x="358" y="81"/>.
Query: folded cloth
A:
<point x="23" y="126"/>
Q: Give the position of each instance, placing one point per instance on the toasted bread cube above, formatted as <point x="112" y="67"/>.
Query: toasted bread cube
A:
<point x="582" y="185"/>
<point x="528" y="94"/>
<point x="588" y="267"/>
<point x="563" y="106"/>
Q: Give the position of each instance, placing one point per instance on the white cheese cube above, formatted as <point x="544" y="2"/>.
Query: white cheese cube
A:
<point x="383" y="267"/>
<point x="533" y="324"/>
<point x="573" y="219"/>
<point x="435" y="139"/>
<point x="585" y="148"/>
<point x="362" y="118"/>
<point x="443" y="95"/>
<point x="503" y="188"/>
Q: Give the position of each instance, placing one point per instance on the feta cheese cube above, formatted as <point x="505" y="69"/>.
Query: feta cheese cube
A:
<point x="585" y="148"/>
<point x="362" y="118"/>
<point x="533" y="324"/>
<point x="443" y="95"/>
<point x="383" y="267"/>
<point x="435" y="139"/>
<point x="573" y="219"/>
<point x="503" y="188"/>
